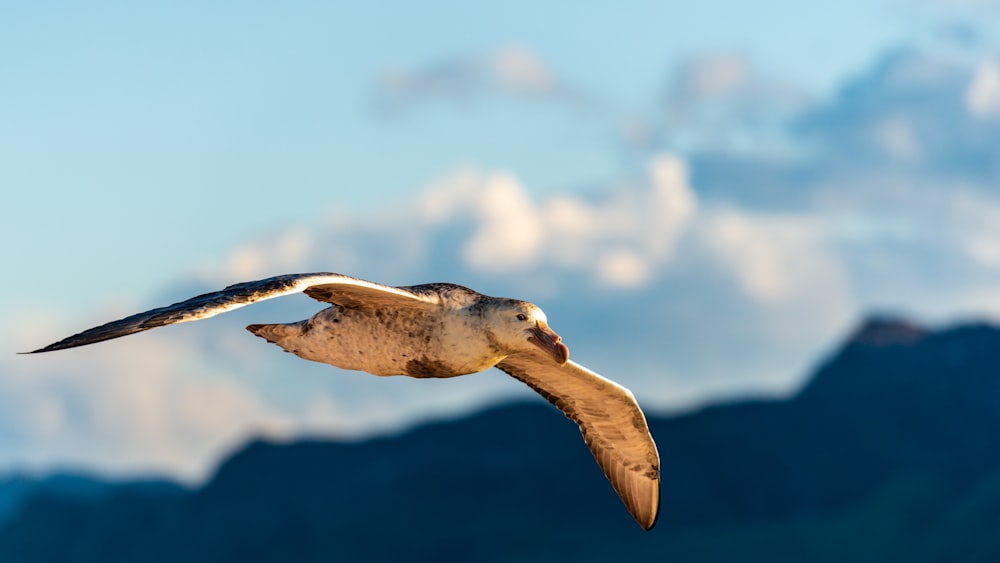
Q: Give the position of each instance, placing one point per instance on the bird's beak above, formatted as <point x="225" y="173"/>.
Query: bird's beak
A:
<point x="550" y="342"/>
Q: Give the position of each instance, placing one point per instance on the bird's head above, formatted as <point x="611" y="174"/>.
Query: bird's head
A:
<point x="521" y="326"/>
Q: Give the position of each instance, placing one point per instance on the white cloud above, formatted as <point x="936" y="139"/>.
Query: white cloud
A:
<point x="623" y="268"/>
<point x="897" y="138"/>
<point x="776" y="257"/>
<point x="511" y="232"/>
<point x="512" y="71"/>
<point x="976" y="219"/>
<point x="982" y="98"/>
<point x="724" y="75"/>
<point x="518" y="69"/>
<point x="623" y="238"/>
<point x="672" y="204"/>
<point x="722" y="102"/>
<point x="287" y="250"/>
<point x="631" y="233"/>
<point x="619" y="239"/>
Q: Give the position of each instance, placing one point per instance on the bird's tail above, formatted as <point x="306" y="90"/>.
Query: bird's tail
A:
<point x="276" y="333"/>
<point x="293" y="337"/>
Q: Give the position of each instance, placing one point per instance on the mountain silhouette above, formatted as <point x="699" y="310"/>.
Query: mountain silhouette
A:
<point x="888" y="453"/>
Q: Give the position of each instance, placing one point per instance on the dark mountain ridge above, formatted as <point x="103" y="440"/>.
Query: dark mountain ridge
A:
<point x="888" y="453"/>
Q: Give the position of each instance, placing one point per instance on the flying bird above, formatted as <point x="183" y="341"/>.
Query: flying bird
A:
<point x="438" y="330"/>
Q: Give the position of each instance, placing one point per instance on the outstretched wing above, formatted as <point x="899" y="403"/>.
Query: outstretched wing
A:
<point x="611" y="422"/>
<point x="332" y="288"/>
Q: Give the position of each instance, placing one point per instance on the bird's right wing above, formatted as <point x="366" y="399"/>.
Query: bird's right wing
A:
<point x="611" y="422"/>
<point x="331" y="288"/>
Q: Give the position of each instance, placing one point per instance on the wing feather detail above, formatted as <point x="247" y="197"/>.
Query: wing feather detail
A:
<point x="612" y="424"/>
<point x="327" y="287"/>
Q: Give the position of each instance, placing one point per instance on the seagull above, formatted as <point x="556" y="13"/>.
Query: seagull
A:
<point x="437" y="330"/>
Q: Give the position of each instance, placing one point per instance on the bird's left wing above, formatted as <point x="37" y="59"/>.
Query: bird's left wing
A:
<point x="611" y="422"/>
<point x="332" y="288"/>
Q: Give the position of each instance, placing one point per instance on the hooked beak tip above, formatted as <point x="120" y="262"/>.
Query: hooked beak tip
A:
<point x="562" y="354"/>
<point x="550" y="343"/>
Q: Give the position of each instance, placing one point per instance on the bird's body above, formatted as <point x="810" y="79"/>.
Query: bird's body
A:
<point x="438" y="330"/>
<point x="440" y="340"/>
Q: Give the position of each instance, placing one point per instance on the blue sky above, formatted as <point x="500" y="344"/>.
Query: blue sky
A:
<point x="119" y="118"/>
<point x="714" y="191"/>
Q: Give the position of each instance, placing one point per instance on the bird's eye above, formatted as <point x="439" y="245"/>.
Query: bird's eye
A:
<point x="522" y="317"/>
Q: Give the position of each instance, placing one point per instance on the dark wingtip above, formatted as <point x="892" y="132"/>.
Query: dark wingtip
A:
<point x="645" y="521"/>
<point x="652" y="522"/>
<point x="656" y="509"/>
<point x="39" y="351"/>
